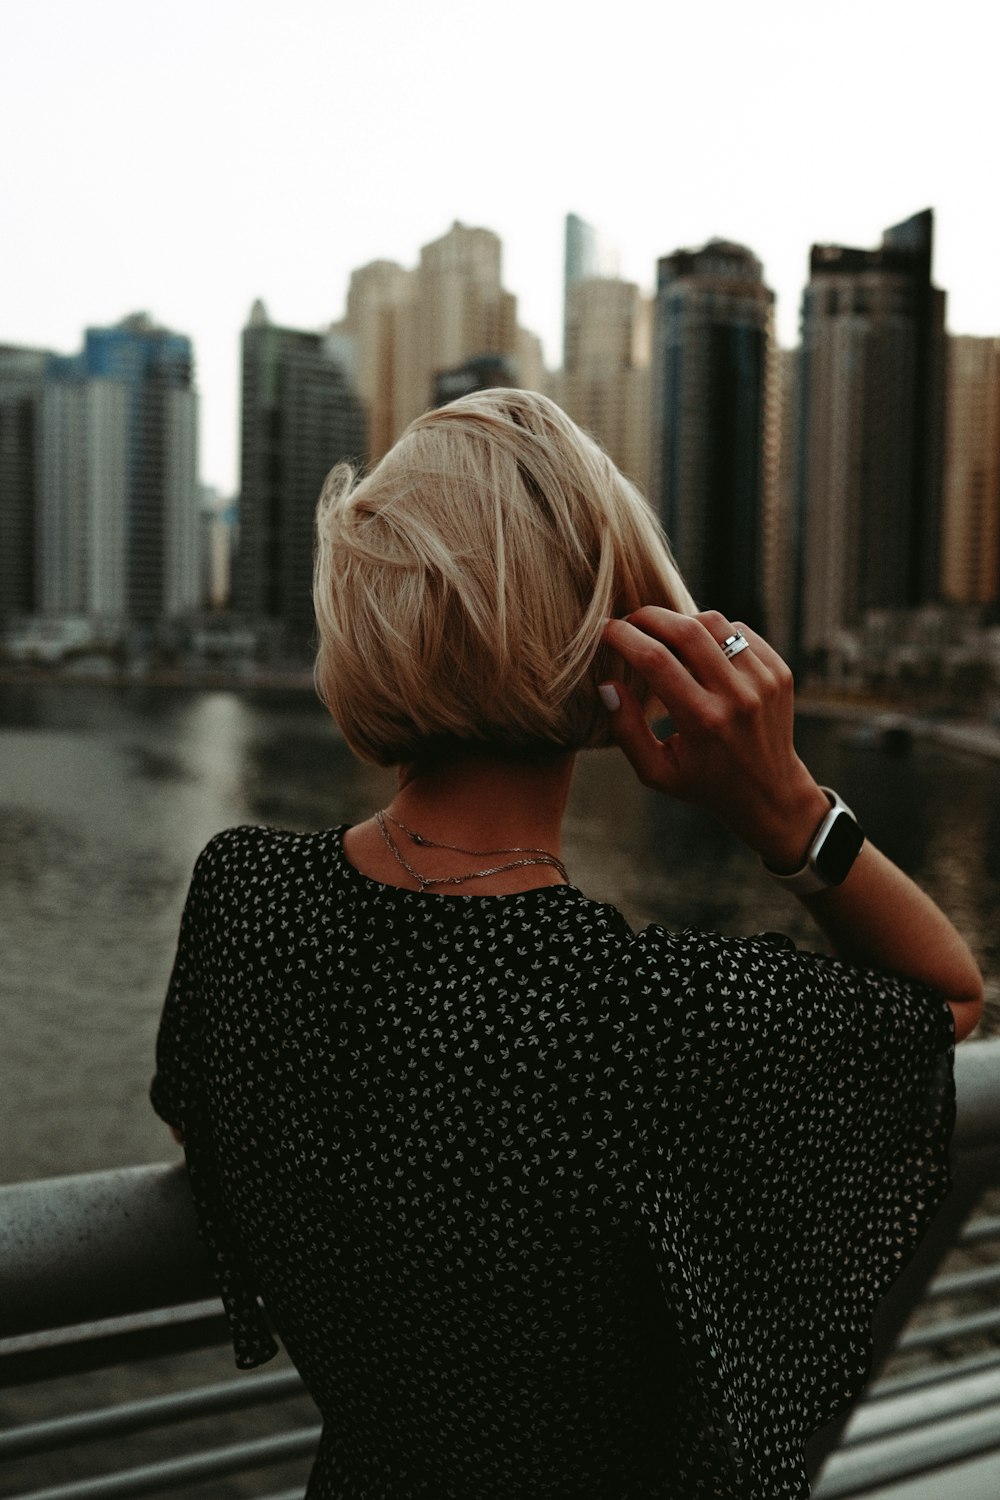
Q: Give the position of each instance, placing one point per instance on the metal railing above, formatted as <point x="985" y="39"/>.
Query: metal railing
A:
<point x="106" y="1269"/>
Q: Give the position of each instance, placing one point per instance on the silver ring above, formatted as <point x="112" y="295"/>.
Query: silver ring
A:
<point x="734" y="644"/>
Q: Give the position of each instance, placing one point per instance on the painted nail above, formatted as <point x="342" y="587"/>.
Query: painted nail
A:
<point x="609" y="696"/>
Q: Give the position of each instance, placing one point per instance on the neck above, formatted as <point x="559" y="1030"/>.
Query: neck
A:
<point x="487" y="802"/>
<point x="476" y="801"/>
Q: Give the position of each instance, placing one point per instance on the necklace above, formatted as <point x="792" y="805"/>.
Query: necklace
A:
<point x="536" y="856"/>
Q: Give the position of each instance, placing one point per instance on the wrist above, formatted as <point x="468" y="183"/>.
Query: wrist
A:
<point x="832" y="851"/>
<point x="783" y="846"/>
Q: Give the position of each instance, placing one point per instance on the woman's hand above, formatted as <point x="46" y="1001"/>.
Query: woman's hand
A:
<point x="732" y="751"/>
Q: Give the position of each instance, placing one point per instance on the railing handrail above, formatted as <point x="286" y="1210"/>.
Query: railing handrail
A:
<point x="97" y="1246"/>
<point x="106" y="1244"/>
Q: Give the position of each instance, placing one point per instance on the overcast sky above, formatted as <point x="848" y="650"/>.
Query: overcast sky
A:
<point x="186" y="157"/>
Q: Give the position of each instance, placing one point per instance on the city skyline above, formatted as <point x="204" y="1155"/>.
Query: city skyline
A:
<point x="186" y="160"/>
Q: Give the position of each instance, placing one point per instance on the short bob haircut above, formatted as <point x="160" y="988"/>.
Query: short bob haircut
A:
<point x="462" y="586"/>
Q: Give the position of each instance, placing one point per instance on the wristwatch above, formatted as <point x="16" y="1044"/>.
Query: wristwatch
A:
<point x="835" y="846"/>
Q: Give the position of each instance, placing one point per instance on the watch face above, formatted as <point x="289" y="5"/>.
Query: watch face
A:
<point x="839" y="849"/>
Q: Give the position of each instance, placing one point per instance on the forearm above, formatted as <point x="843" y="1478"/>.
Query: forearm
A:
<point x="879" y="918"/>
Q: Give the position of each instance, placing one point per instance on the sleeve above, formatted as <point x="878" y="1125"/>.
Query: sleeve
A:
<point x="178" y="1094"/>
<point x="796" y="1115"/>
<point x="173" y="1092"/>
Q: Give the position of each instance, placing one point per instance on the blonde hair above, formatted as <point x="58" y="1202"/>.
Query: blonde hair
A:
<point x="462" y="587"/>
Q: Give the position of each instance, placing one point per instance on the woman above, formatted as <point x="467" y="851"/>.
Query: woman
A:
<point x="538" y="1206"/>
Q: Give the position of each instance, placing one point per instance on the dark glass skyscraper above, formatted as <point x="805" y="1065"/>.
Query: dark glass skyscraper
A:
<point x="870" y="435"/>
<point x="22" y="373"/>
<point x="299" y="418"/>
<point x="711" y="335"/>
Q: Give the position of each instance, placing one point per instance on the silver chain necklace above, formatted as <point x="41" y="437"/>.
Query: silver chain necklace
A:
<point x="537" y="856"/>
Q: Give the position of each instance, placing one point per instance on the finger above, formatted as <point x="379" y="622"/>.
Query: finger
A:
<point x="763" y="652"/>
<point x="722" y="629"/>
<point x="757" y="664"/>
<point x="660" y="667"/>
<point x="652" y="759"/>
<point x="690" y="638"/>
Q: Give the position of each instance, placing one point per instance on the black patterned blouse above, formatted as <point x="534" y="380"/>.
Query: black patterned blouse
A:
<point x="540" y="1207"/>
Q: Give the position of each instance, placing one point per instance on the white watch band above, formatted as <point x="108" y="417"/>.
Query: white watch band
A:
<point x="808" y="880"/>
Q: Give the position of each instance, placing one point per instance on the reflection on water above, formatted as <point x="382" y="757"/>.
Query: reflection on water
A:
<point x="107" y="795"/>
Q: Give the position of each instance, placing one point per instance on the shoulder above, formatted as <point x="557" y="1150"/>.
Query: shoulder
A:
<point x="762" y="994"/>
<point x="255" y="853"/>
<point x="702" y="958"/>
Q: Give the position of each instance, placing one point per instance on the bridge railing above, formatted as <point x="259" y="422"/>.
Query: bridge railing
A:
<point x="105" y="1269"/>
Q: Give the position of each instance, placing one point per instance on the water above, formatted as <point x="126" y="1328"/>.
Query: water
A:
<point x="107" y="795"/>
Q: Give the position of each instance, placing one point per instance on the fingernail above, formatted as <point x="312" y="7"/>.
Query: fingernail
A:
<point x="609" y="696"/>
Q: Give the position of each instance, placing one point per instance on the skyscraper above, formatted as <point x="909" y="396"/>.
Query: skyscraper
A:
<point x="870" y="442"/>
<point x="970" y="571"/>
<point x="712" y="335"/>
<point x="458" y="310"/>
<point x="586" y="255"/>
<point x="85" y="499"/>
<point x="375" y="298"/>
<point x="408" y="328"/>
<point x="778" y="531"/>
<point x="22" y="375"/>
<point x="605" y="380"/>
<point x="119" y="519"/>
<point x="299" y="418"/>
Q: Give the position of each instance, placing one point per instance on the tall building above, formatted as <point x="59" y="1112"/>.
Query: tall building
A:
<point x="119" y="514"/>
<point x="375" y="297"/>
<point x="970" y="571"/>
<point x="713" y="330"/>
<point x="22" y="377"/>
<point x="299" y="418"/>
<point x="779" y="564"/>
<point x="85" y="500"/>
<point x="586" y="255"/>
<point x="870" y="443"/>
<point x="458" y="309"/>
<point x="605" y="380"/>
<point x="405" y="329"/>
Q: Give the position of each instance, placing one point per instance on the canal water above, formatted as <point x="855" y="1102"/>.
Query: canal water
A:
<point x="107" y="795"/>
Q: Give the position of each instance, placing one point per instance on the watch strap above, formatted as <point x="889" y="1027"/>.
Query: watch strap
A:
<point x="808" y="880"/>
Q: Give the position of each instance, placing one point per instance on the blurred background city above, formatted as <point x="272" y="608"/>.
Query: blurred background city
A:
<point x="843" y="496"/>
<point x="824" y="455"/>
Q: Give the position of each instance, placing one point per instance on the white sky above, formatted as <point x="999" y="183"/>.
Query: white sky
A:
<point x="186" y="156"/>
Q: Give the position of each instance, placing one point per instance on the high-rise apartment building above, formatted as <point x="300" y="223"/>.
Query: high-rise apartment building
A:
<point x="375" y="298"/>
<point x="408" y="328"/>
<point x="871" y="414"/>
<point x="586" y="255"/>
<point x="778" y="536"/>
<point x="970" y="571"/>
<point x="85" y="499"/>
<point x="458" y="309"/>
<point x="299" y="418"/>
<point x="713" y="329"/>
<point x="119" y="512"/>
<point x="22" y="377"/>
<point x="605" y="380"/>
